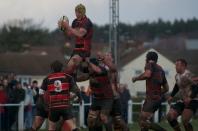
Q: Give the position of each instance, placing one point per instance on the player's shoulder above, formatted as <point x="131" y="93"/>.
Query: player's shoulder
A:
<point x="88" y="21"/>
<point x="74" y="22"/>
<point x="68" y="76"/>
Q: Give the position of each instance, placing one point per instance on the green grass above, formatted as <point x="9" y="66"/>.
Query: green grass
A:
<point x="135" y="127"/>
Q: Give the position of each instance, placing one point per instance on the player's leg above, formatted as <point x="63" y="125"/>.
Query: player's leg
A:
<point x="73" y="64"/>
<point x="118" y="122"/>
<point x="173" y="113"/>
<point x="188" y="113"/>
<point x="149" y="107"/>
<point x="53" y="118"/>
<point x="37" y="123"/>
<point x="41" y="115"/>
<point x="106" y="107"/>
<point x="186" y="116"/>
<point x="69" y="125"/>
<point x="92" y="119"/>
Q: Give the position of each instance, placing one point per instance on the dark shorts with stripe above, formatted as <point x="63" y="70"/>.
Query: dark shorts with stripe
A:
<point x="102" y="105"/>
<point x="151" y="105"/>
<point x="55" y="114"/>
<point x="180" y="106"/>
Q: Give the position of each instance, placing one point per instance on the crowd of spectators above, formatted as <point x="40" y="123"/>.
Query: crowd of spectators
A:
<point x="13" y="91"/>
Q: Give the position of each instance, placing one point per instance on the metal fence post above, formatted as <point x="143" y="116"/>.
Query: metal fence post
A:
<point x="21" y="117"/>
<point x="82" y="114"/>
<point x="130" y="111"/>
<point x="156" y="116"/>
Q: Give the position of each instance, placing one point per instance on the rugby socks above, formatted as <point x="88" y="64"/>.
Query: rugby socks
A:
<point x="188" y="127"/>
<point x="175" y="125"/>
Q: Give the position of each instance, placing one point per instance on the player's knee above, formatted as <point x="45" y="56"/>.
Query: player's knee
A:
<point x="119" y="124"/>
<point x="144" y="121"/>
<point x="171" y="116"/>
<point x="168" y="117"/>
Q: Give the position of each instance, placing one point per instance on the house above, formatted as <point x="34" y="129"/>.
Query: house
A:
<point x="30" y="65"/>
<point x="34" y="63"/>
<point x="136" y="66"/>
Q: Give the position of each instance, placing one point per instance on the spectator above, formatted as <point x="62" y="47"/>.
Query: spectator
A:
<point x="35" y="89"/>
<point x="12" y="80"/>
<point x="7" y="92"/>
<point x="86" y="100"/>
<point x="28" y="106"/>
<point x="17" y="95"/>
<point x="3" y="100"/>
<point x="124" y="98"/>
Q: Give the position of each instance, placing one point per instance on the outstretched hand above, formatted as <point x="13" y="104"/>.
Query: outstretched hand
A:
<point x="134" y="79"/>
<point x="63" y="24"/>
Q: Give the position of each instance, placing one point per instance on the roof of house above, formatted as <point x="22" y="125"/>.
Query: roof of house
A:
<point x="37" y="60"/>
<point x="34" y="62"/>
<point x="173" y="55"/>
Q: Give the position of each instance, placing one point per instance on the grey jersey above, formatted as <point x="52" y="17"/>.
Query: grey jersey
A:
<point x="184" y="81"/>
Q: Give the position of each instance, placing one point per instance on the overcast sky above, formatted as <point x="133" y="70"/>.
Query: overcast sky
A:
<point x="131" y="11"/>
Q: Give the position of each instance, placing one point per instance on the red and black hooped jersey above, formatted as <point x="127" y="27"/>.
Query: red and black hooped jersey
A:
<point x="154" y="83"/>
<point x="101" y="85"/>
<point x="83" y="44"/>
<point x="57" y="85"/>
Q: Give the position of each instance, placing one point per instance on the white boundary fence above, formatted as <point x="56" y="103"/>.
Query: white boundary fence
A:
<point x="81" y="114"/>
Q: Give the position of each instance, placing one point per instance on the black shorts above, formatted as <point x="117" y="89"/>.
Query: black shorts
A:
<point x="193" y="105"/>
<point x="42" y="112"/>
<point x="116" y="108"/>
<point x="180" y="106"/>
<point x="55" y="114"/>
<point x="102" y="104"/>
<point x="151" y="105"/>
